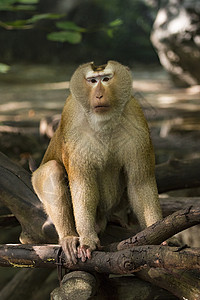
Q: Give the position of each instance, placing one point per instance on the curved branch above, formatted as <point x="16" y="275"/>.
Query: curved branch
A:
<point x="161" y="230"/>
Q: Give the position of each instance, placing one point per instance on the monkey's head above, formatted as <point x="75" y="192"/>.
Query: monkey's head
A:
<point x="102" y="90"/>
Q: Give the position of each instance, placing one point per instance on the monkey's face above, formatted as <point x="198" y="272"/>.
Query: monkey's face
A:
<point x="101" y="90"/>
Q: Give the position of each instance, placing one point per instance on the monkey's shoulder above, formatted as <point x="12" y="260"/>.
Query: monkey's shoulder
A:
<point x="133" y="121"/>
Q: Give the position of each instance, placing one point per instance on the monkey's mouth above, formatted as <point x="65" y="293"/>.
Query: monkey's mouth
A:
<point x="101" y="108"/>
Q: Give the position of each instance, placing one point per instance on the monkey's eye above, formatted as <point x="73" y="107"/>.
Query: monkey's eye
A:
<point x="93" y="80"/>
<point x="105" y="79"/>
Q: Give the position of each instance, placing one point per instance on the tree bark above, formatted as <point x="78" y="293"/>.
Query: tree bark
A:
<point x="126" y="261"/>
<point x="178" y="174"/>
<point x="20" y="198"/>
<point x="80" y="285"/>
<point x="17" y="194"/>
<point x="164" y="229"/>
<point x="120" y="262"/>
<point x="183" y="284"/>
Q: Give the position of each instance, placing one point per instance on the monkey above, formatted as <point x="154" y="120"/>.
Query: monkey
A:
<point x="100" y="156"/>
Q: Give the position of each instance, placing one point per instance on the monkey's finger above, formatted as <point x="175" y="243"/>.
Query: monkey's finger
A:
<point x="73" y="256"/>
<point x="82" y="253"/>
<point x="165" y="243"/>
<point x="69" y="253"/>
<point x="73" y="250"/>
<point x="74" y="245"/>
<point x="89" y="253"/>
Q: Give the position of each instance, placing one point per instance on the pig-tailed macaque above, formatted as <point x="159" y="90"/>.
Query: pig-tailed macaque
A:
<point x="100" y="152"/>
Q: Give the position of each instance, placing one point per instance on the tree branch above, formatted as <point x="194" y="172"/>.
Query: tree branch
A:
<point x="17" y="194"/>
<point x="161" y="230"/>
<point x="120" y="262"/>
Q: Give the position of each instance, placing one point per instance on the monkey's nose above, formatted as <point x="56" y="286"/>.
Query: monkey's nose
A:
<point x="99" y="97"/>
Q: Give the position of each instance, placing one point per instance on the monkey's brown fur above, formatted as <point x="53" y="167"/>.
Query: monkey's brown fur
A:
<point x="103" y="145"/>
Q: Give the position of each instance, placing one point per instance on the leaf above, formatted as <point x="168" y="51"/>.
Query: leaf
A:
<point x="110" y="33"/>
<point x="39" y="17"/>
<point x="8" y="2"/>
<point x="116" y="23"/>
<point x="21" y="5"/>
<point x="17" y="23"/>
<point x="4" y="68"/>
<point x="70" y="26"/>
<point x="27" y="1"/>
<point x="65" y="36"/>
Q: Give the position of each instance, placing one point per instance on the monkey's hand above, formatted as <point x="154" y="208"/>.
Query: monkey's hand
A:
<point x="87" y="245"/>
<point x="69" y="245"/>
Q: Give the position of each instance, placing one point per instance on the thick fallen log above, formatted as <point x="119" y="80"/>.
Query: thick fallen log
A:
<point x="183" y="284"/>
<point x="82" y="285"/>
<point x="170" y="205"/>
<point x="16" y="193"/>
<point x="178" y="174"/>
<point x="120" y="262"/>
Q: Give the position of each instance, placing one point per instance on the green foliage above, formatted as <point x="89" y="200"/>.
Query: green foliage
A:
<point x="70" y="32"/>
<point x="4" y="68"/>
<point x="15" y="5"/>
<point x="113" y="27"/>
<point x="116" y="23"/>
<point x="29" y="23"/>
<point x="121" y="27"/>
<point x="65" y="36"/>
<point x="70" y="26"/>
<point x="40" y="17"/>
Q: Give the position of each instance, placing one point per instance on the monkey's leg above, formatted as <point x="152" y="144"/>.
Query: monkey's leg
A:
<point x="85" y="197"/>
<point x="49" y="182"/>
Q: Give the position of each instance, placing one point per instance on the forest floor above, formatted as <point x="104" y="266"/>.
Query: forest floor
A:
<point x="29" y="93"/>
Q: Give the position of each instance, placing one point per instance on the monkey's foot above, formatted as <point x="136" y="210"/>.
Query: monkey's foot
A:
<point x="69" y="245"/>
<point x="86" y="247"/>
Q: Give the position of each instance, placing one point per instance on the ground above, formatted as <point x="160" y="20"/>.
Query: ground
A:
<point x="32" y="92"/>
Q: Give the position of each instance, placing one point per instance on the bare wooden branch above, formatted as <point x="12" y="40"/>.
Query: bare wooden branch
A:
<point x="178" y="174"/>
<point x="17" y="194"/>
<point x="183" y="284"/>
<point x="162" y="230"/>
<point x="120" y="262"/>
<point x="170" y="205"/>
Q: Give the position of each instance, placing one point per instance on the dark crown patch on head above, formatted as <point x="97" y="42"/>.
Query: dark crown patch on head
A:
<point x="98" y="68"/>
